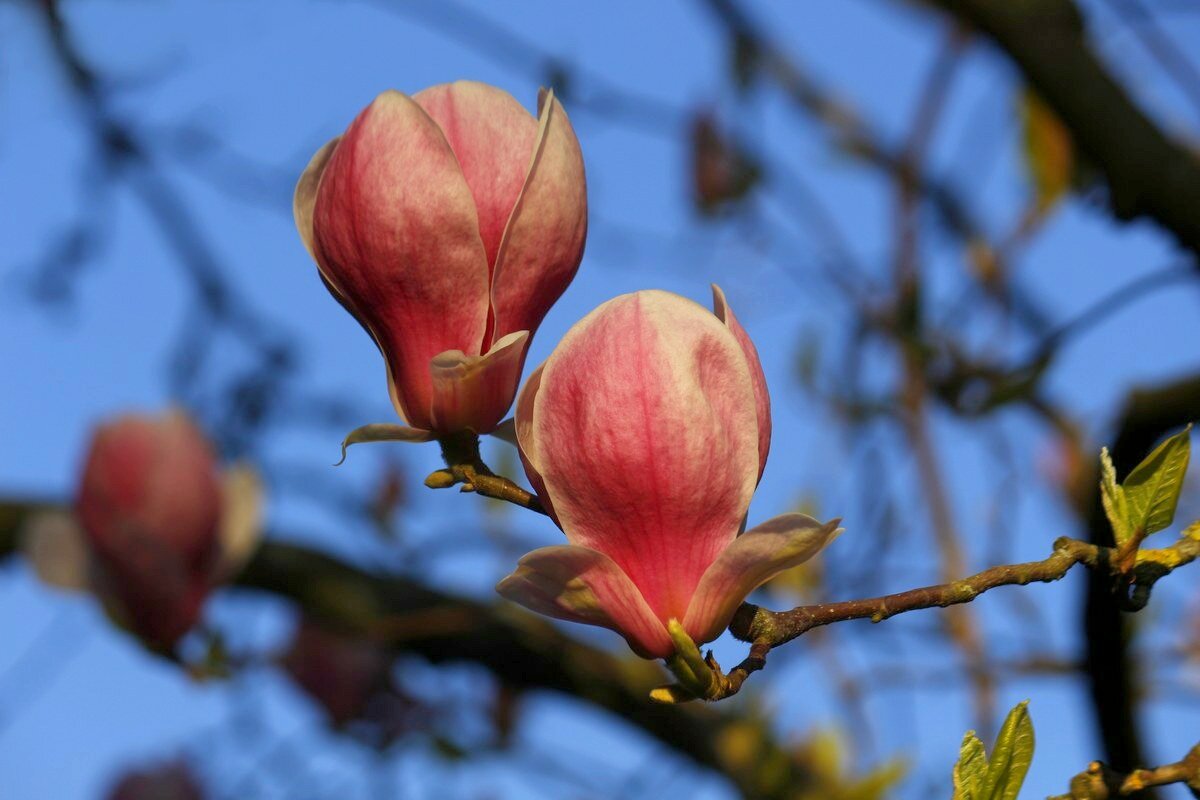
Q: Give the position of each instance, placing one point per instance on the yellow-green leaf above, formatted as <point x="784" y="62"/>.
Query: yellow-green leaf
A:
<point x="1049" y="152"/>
<point x="1112" y="496"/>
<point x="1152" y="488"/>
<point x="1011" y="756"/>
<point x="970" y="772"/>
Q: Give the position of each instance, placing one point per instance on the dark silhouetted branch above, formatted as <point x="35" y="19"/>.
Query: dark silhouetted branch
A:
<point x="523" y="651"/>
<point x="1148" y="174"/>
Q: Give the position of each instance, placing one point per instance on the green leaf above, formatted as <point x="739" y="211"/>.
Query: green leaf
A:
<point x="976" y="777"/>
<point x="1011" y="755"/>
<point x="1152" y="488"/>
<point x="970" y="773"/>
<point x="1112" y="496"/>
<point x="1049" y="152"/>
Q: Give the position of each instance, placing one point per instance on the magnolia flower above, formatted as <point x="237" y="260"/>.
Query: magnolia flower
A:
<point x="156" y="525"/>
<point x="343" y="674"/>
<point x="645" y="434"/>
<point x="447" y="223"/>
<point x="174" y="781"/>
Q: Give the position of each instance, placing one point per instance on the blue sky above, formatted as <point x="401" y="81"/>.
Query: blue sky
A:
<point x="274" y="80"/>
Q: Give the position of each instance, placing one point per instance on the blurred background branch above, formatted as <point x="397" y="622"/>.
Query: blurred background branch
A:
<point x="914" y="208"/>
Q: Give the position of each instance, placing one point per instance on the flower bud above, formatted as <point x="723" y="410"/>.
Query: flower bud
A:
<point x="646" y="432"/>
<point x="150" y="505"/>
<point x="340" y="673"/>
<point x="167" y="782"/>
<point x="448" y="223"/>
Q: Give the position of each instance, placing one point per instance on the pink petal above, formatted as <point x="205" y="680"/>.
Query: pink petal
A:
<point x="396" y="237"/>
<point x="475" y="392"/>
<point x="523" y="427"/>
<point x="582" y="585"/>
<point x="543" y="242"/>
<point x="303" y="203"/>
<point x="506" y="431"/>
<point x="762" y="397"/>
<point x="305" y="197"/>
<point x="150" y="504"/>
<point x="55" y="546"/>
<point x="752" y="559"/>
<point x="645" y="436"/>
<point x="151" y="477"/>
<point x="492" y="135"/>
<point x="240" y="531"/>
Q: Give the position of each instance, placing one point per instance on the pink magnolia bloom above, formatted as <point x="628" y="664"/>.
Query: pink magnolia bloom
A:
<point x="341" y="673"/>
<point x="173" y="781"/>
<point x="645" y="433"/>
<point x="161" y="522"/>
<point x="448" y="223"/>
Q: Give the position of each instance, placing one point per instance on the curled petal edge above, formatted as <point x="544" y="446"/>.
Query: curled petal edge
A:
<point x="304" y="202"/>
<point x="544" y="236"/>
<point x="506" y="431"/>
<point x="579" y="584"/>
<point x="475" y="392"/>
<point x="762" y="398"/>
<point x="527" y="444"/>
<point x="749" y="561"/>
<point x="305" y="198"/>
<point x="383" y="432"/>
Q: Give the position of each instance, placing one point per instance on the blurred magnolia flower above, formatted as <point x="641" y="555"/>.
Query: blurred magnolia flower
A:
<point x="722" y="173"/>
<point x="447" y="223"/>
<point x="645" y="434"/>
<point x="354" y="679"/>
<point x="342" y="674"/>
<point x="156" y="526"/>
<point x="168" y="782"/>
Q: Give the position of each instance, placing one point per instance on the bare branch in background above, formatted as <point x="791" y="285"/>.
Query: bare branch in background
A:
<point x="1148" y="174"/>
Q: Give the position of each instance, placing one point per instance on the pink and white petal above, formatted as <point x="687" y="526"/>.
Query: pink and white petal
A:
<point x="526" y="445"/>
<point x="384" y="432"/>
<point x="240" y="530"/>
<point x="544" y="238"/>
<point x="492" y="135"/>
<point x="397" y="237"/>
<point x="397" y="400"/>
<point x="57" y="549"/>
<point x="582" y="585"/>
<point x="475" y="392"/>
<point x="645" y="437"/>
<point x="305" y="197"/>
<point x="752" y="559"/>
<point x="762" y="398"/>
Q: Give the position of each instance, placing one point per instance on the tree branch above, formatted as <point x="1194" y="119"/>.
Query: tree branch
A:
<point x="1100" y="782"/>
<point x="849" y="131"/>
<point x="1148" y="174"/>
<point x="523" y="651"/>
<point x="1149" y="414"/>
<point x="765" y="629"/>
<point x="465" y="467"/>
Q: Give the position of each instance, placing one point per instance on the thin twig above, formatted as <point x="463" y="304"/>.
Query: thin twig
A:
<point x="766" y="629"/>
<point x="465" y="468"/>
